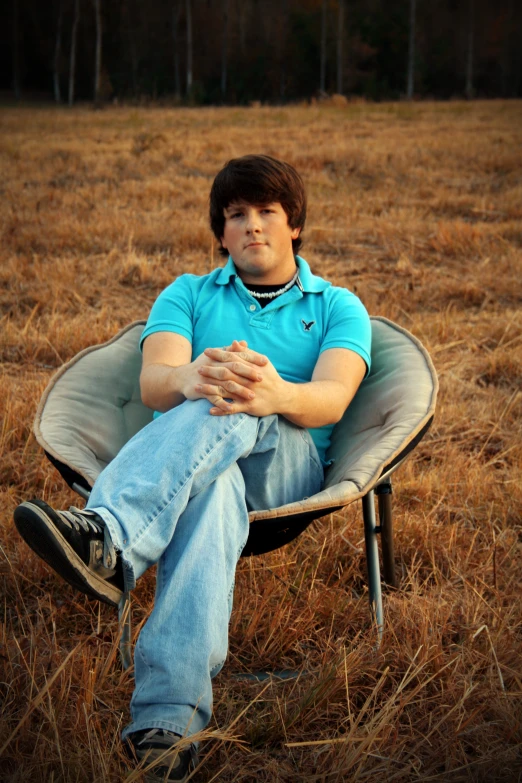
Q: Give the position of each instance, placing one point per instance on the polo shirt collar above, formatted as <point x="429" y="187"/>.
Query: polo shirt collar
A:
<point x="310" y="283"/>
<point x="227" y="273"/>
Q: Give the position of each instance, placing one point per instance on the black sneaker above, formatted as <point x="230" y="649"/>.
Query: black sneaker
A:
<point x="71" y="542"/>
<point x="150" y="745"/>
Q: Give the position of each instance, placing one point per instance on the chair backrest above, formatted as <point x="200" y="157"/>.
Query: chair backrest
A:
<point x="392" y="406"/>
<point x="92" y="406"/>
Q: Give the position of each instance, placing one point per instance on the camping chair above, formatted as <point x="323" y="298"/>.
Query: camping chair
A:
<point x="92" y="407"/>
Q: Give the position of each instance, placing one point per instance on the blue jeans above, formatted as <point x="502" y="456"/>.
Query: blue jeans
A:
<point x="178" y="494"/>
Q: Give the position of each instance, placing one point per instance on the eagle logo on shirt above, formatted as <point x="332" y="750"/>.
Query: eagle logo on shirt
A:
<point x="307" y="326"/>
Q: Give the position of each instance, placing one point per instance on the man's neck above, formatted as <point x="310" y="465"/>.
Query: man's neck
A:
<point x="274" y="277"/>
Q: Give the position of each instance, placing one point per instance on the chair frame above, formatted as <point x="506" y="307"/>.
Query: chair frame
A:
<point x="267" y="534"/>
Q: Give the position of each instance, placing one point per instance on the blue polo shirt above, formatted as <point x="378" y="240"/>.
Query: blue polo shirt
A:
<point x="292" y="330"/>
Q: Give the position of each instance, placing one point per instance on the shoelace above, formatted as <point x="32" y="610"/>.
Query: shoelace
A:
<point x="78" y="520"/>
<point x="81" y="520"/>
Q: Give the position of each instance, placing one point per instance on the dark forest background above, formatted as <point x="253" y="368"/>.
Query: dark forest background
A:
<point x="238" y="51"/>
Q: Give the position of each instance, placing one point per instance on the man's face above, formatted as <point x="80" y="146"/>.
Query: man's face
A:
<point x="259" y="240"/>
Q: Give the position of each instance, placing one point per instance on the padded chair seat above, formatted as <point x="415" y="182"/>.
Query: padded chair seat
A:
<point x="92" y="407"/>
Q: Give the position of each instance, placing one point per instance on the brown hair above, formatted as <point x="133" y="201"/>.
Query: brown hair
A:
<point x="258" y="180"/>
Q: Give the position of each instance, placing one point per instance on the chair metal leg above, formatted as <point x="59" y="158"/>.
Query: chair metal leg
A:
<point x="372" y="561"/>
<point x="125" y="628"/>
<point x="384" y="498"/>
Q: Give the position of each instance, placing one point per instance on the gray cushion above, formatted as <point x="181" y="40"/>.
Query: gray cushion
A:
<point x="92" y="406"/>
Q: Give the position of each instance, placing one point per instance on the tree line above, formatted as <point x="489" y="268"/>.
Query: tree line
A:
<point x="237" y="51"/>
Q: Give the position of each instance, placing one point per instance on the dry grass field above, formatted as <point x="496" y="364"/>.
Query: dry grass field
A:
<point x="418" y="209"/>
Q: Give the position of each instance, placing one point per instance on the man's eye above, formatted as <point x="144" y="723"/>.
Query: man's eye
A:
<point x="236" y="214"/>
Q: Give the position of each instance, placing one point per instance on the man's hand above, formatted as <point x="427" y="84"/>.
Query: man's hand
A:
<point x="265" y="391"/>
<point x="321" y="401"/>
<point x="235" y="381"/>
<point x="168" y="376"/>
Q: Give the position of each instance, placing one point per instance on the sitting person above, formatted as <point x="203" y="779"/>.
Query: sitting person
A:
<point x="247" y="368"/>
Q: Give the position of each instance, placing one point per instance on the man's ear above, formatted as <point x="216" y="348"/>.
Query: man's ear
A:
<point x="295" y="232"/>
<point x="222" y="240"/>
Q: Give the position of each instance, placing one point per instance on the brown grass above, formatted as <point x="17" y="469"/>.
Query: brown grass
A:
<point x="416" y="208"/>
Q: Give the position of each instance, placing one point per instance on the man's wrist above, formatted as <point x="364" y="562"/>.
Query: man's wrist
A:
<point x="161" y="387"/>
<point x="178" y="380"/>
<point x="287" y="398"/>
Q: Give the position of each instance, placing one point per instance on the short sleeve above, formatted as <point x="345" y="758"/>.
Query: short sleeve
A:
<point x="172" y="311"/>
<point x="348" y="325"/>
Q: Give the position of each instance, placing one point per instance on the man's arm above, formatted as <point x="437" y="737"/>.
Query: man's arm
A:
<point x="168" y="376"/>
<point x="335" y="380"/>
<point x="323" y="400"/>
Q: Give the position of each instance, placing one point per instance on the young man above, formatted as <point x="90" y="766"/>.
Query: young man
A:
<point x="248" y="369"/>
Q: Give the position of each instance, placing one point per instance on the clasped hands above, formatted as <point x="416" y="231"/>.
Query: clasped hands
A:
<point x="236" y="379"/>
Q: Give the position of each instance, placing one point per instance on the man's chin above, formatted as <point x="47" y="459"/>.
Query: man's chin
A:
<point x="253" y="265"/>
<point x="254" y="249"/>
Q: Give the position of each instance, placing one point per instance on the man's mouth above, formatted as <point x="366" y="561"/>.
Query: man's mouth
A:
<point x="255" y="244"/>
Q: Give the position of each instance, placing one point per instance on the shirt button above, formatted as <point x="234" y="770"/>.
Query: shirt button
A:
<point x="252" y="307"/>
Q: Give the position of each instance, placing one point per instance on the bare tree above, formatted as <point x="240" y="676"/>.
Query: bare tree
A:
<point x="513" y="49"/>
<point x="72" y="61"/>
<point x="98" y="53"/>
<point x="517" y="60"/>
<point x="131" y="27"/>
<point x="469" y="58"/>
<point x="57" y="53"/>
<point x="188" y="12"/>
<point x="176" y="13"/>
<point x="244" y="8"/>
<point x="283" y="51"/>
<point x="224" y="51"/>
<point x="322" y="79"/>
<point x="340" y="36"/>
<point x="16" y="51"/>
<point x="411" y="53"/>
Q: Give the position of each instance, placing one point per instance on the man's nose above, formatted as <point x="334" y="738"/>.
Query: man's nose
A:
<point x="252" y="223"/>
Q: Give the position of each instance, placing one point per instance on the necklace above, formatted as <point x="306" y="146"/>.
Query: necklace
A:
<point x="273" y="294"/>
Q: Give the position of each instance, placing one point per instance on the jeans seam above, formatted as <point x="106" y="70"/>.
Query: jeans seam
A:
<point x="138" y="651"/>
<point x="217" y="668"/>
<point x="238" y="555"/>
<point x="311" y="446"/>
<point x="316" y="462"/>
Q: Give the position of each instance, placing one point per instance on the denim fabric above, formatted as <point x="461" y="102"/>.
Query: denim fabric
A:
<point x="178" y="494"/>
